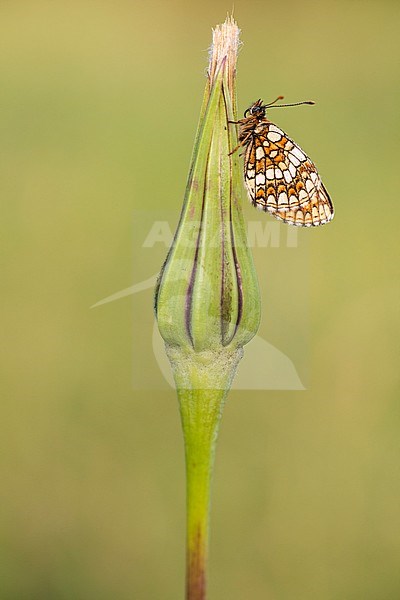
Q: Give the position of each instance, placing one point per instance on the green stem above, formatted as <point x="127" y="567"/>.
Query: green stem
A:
<point x="201" y="412"/>
<point x="202" y="381"/>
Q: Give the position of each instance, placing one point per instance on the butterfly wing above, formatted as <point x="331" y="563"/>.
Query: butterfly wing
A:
<point x="281" y="179"/>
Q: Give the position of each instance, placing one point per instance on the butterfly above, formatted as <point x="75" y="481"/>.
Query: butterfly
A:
<point x="280" y="178"/>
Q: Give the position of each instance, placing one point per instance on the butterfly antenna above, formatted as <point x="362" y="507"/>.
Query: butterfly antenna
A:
<point x="271" y="103"/>
<point x="294" y="104"/>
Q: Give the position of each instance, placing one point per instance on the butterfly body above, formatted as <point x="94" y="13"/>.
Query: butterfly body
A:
<point x="279" y="176"/>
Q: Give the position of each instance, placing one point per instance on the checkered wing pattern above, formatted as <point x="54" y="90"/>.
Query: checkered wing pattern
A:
<point x="281" y="179"/>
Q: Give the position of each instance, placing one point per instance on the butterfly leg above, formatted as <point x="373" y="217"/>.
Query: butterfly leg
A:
<point x="235" y="149"/>
<point x="240" y="144"/>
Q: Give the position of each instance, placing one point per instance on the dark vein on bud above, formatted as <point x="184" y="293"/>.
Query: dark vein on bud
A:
<point x="188" y="301"/>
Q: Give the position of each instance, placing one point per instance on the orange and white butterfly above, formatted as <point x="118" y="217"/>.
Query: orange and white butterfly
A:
<point x="279" y="176"/>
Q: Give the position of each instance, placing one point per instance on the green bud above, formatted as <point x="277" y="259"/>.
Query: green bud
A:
<point x="207" y="297"/>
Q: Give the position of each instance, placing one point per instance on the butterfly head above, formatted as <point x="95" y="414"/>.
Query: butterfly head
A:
<point x="256" y="110"/>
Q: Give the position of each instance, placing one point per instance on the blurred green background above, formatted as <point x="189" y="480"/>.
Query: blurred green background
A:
<point x="99" y="105"/>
